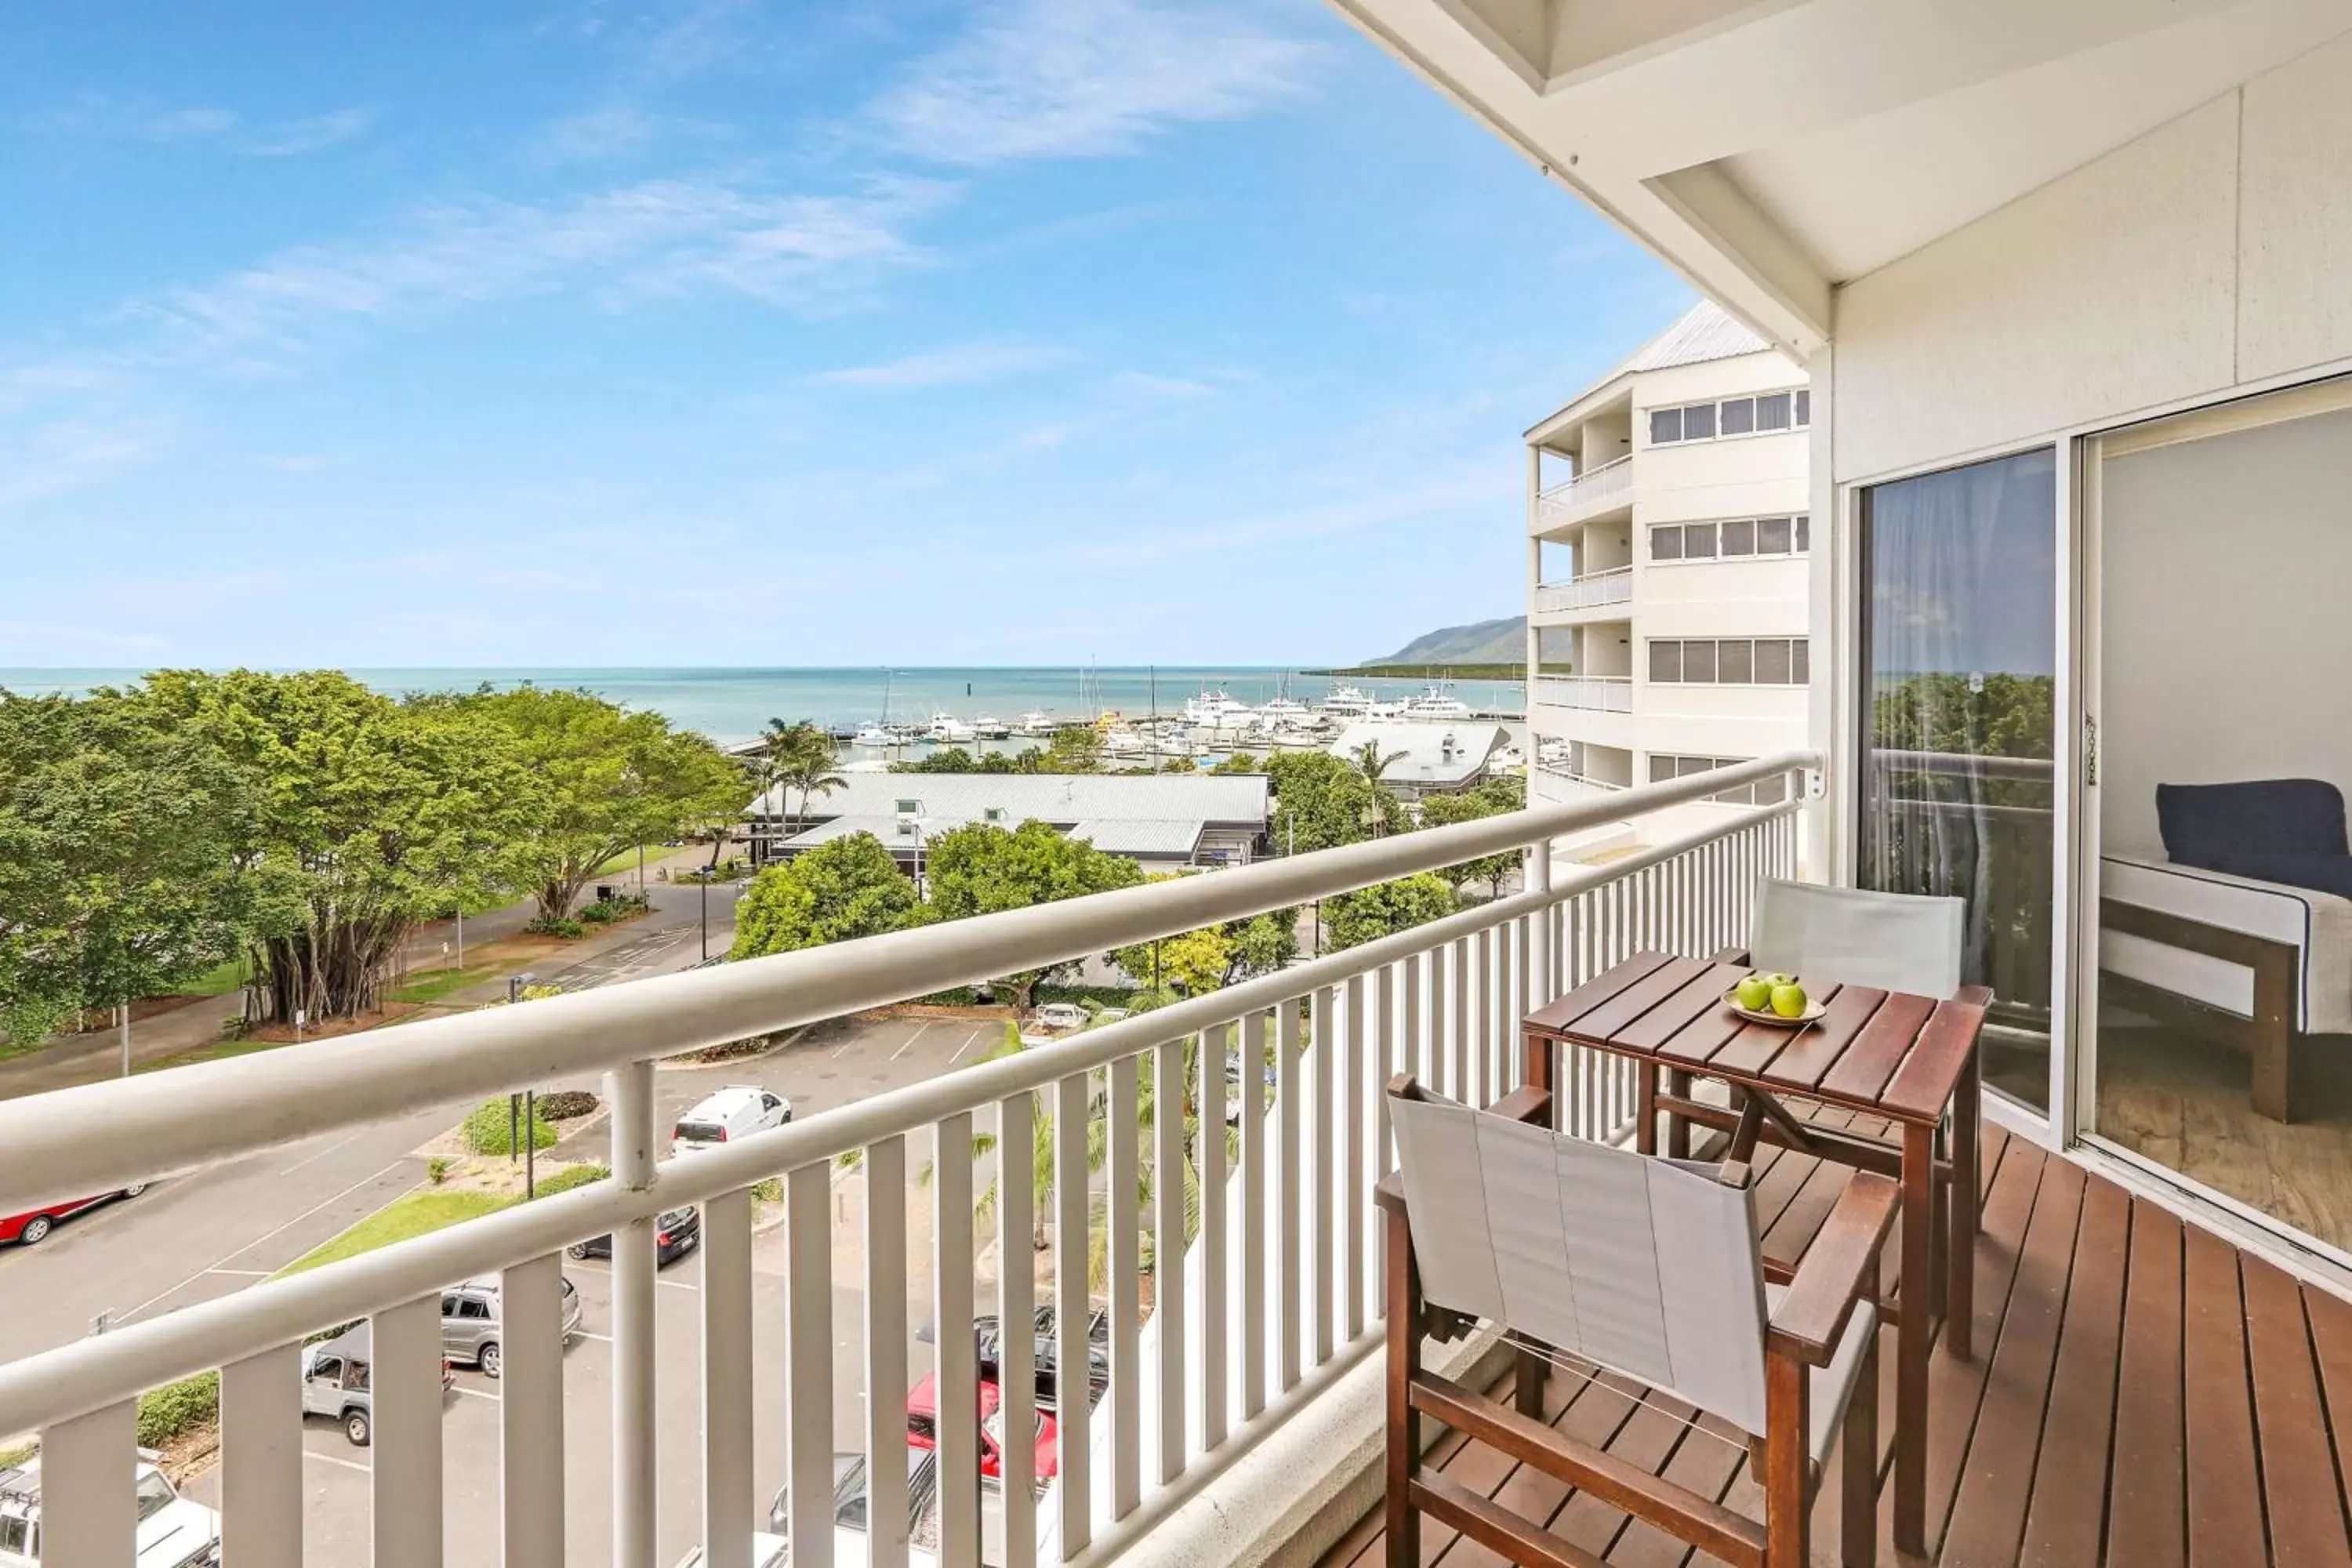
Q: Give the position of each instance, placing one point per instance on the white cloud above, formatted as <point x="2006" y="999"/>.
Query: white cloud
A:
<point x="310" y="135"/>
<point x="598" y="134"/>
<point x="136" y="119"/>
<point x="963" y="365"/>
<point x="663" y="237"/>
<point x="1080" y="78"/>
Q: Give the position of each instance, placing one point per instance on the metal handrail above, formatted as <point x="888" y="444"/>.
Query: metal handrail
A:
<point x="101" y="1137"/>
<point x="94" y="1373"/>
<point x="1565" y="491"/>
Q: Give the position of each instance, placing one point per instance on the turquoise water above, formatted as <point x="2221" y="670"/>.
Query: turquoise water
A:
<point x="731" y="705"/>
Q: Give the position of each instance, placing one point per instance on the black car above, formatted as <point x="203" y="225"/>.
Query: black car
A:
<point x="988" y="1335"/>
<point x="849" y="1492"/>
<point x="675" y="1234"/>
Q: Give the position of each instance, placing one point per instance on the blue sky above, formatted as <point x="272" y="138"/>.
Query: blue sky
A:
<point x="730" y="332"/>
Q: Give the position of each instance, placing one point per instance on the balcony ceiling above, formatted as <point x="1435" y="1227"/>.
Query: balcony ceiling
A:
<point x="1771" y="149"/>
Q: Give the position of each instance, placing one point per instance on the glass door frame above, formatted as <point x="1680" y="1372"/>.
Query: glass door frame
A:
<point x="1848" y="748"/>
<point x="2243" y="408"/>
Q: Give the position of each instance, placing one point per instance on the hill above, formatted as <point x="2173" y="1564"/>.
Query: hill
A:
<point x="1503" y="641"/>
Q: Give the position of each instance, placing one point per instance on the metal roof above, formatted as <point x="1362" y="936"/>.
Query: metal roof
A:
<point x="1141" y="838"/>
<point x="952" y="798"/>
<point x="1706" y="332"/>
<point x="1422" y="756"/>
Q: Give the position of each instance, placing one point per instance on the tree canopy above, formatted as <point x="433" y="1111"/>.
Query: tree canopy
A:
<point x="372" y="815"/>
<point x="1352" y="920"/>
<point x="981" y="869"/>
<point x="1214" y="956"/>
<point x="844" y="888"/>
<point x="1320" y="801"/>
<point x="1074" y="749"/>
<point x="121" y="874"/>
<point x="611" y="780"/>
<point x="1491" y="798"/>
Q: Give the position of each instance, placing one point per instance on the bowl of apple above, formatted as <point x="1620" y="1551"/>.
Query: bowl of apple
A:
<point x="1777" y="1000"/>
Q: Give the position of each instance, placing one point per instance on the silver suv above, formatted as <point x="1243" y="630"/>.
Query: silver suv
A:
<point x="472" y="1327"/>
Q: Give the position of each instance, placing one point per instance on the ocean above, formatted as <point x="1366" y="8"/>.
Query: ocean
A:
<point x="734" y="705"/>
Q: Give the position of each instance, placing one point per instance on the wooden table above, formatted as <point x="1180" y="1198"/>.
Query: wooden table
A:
<point x="1908" y="1059"/>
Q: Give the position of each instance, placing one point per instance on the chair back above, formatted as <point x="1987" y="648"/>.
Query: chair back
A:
<point x="1891" y="942"/>
<point x="1651" y="1268"/>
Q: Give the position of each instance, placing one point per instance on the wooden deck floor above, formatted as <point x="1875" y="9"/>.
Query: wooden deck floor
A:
<point x="2145" y="1395"/>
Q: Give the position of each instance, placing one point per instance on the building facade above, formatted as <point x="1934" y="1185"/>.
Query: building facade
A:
<point x="1667" y="544"/>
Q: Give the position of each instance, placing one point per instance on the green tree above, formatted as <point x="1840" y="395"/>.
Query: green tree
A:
<point x="121" y="870"/>
<point x="1373" y="765"/>
<point x="612" y="780"/>
<point x="842" y="890"/>
<point x="372" y="815"/>
<point x="981" y="869"/>
<point x="1239" y="762"/>
<point x="1074" y="749"/>
<point x="1214" y="956"/>
<point x="1471" y="806"/>
<point x="1368" y="914"/>
<point x="803" y="758"/>
<point x="1319" y="802"/>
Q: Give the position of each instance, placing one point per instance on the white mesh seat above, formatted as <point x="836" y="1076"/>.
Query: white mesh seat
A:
<point x="1890" y="941"/>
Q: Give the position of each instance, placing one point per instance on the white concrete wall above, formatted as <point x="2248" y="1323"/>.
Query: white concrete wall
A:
<point x="2245" y="533"/>
<point x="2212" y="253"/>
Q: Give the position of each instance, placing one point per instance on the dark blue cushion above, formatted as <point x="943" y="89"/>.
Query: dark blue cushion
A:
<point x="2206" y="825"/>
<point x="2323" y="873"/>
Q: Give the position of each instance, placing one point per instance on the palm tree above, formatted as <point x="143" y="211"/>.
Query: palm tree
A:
<point x="1367" y="761"/>
<point x="801" y="757"/>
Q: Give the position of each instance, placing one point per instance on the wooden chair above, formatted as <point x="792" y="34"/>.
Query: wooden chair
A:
<point x="1889" y="941"/>
<point x="1646" y="1267"/>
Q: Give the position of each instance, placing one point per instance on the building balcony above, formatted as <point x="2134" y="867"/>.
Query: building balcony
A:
<point x="1594" y="493"/>
<point x="1555" y="603"/>
<point x="1239" y="1415"/>
<point x="1559" y="783"/>
<point x="1598" y="693"/>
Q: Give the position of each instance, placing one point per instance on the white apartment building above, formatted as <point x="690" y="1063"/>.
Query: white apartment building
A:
<point x="1667" y="567"/>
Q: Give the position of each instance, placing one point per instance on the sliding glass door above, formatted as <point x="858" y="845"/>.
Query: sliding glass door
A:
<point x="1958" y="646"/>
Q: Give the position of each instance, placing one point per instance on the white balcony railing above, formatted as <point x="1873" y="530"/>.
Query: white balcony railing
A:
<point x="1586" y="493"/>
<point x="1601" y="693"/>
<point x="1615" y="586"/>
<point x="1565" y="784"/>
<point x="1257" y="1312"/>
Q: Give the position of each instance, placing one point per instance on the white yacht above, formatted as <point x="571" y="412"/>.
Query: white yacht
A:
<point x="1438" y="702"/>
<point x="874" y="733"/>
<point x="949" y="730"/>
<point x="1119" y="740"/>
<point x="1037" y="721"/>
<point x="990" y="728"/>
<point x="1348" y="702"/>
<point x="1218" y="710"/>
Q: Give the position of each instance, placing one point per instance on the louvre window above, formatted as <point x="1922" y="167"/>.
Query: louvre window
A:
<point x="1736" y="665"/>
<point x="1698" y="421"/>
<point x="1698" y="662"/>
<point x="1698" y="542"/>
<point x="1730" y="661"/>
<point x="1740" y="538"/>
<point x="1667" y="544"/>
<point x="1772" y="413"/>
<point x="1665" y="425"/>
<point x="1804" y="406"/>
<point x="1771" y="536"/>
<point x="1740" y="416"/>
<point x="1804" y="529"/>
<point x="1665" y="659"/>
<point x="1772" y="662"/>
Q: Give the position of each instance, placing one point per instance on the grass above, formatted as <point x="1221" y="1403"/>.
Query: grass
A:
<point x="418" y="1214"/>
<point x="435" y="984"/>
<point x="220" y="1052"/>
<point x="219" y="979"/>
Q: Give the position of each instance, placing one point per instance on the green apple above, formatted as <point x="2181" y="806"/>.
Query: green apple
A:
<point x="1755" y="992"/>
<point x="1789" y="1000"/>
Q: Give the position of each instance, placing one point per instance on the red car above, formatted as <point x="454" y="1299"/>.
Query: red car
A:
<point x="27" y="1229"/>
<point x="923" y="1428"/>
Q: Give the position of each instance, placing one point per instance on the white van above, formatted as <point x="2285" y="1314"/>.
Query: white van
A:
<point x="173" y="1533"/>
<point x="736" y="1111"/>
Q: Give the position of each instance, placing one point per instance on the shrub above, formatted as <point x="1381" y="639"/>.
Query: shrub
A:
<point x="436" y="1169"/>
<point x="596" y="914"/>
<point x="566" y="1104"/>
<point x="572" y="1177"/>
<point x="770" y="1191"/>
<point x="487" y="1130"/>
<point x="178" y="1407"/>
<point x="556" y="926"/>
<point x="12" y="1457"/>
<point x="235" y="1028"/>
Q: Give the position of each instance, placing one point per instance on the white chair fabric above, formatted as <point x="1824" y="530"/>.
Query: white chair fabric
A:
<point x="1649" y="1267"/>
<point x="1891" y="942"/>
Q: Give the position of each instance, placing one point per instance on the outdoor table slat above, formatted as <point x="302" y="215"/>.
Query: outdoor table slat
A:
<point x="1702" y="996"/>
<point x="1635" y="1001"/>
<point x="1699" y="1041"/>
<point x="1563" y="1013"/>
<point x="1811" y="1052"/>
<point x="1758" y="1048"/>
<point x="1922" y="1087"/>
<point x="1867" y="1064"/>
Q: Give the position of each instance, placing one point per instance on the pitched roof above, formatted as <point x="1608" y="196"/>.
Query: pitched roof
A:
<point x="1704" y="331"/>
<point x="1048" y="797"/>
<point x="1427" y="754"/>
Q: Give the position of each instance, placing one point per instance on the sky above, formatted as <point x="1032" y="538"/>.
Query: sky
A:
<point x="724" y="333"/>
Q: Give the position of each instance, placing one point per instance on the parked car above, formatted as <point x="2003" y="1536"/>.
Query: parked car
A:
<point x="471" y="1328"/>
<point x="338" y="1378"/>
<point x="988" y="1333"/>
<point x="172" y="1531"/>
<point x="923" y="1428"/>
<point x="849" y="1489"/>
<point x="35" y="1225"/>
<point x="677" y="1233"/>
<point x="1059" y="1016"/>
<point x="736" y="1111"/>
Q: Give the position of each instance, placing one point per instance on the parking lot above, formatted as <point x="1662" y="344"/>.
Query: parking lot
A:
<point x="826" y="1066"/>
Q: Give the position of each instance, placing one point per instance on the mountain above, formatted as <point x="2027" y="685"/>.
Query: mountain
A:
<point x="1480" y="642"/>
